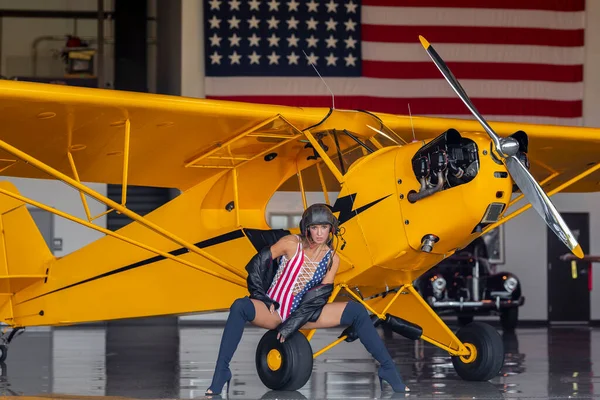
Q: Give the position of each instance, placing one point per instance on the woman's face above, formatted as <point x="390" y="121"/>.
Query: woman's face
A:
<point x="319" y="233"/>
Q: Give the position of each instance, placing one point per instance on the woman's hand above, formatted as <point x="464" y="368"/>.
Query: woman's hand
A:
<point x="280" y="338"/>
<point x="272" y="308"/>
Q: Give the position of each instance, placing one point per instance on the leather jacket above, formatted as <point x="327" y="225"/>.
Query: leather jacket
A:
<point x="309" y="310"/>
<point x="261" y="271"/>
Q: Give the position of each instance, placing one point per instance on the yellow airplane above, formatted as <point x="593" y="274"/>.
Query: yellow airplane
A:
<point x="404" y="205"/>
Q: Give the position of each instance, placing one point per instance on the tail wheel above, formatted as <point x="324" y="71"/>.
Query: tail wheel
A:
<point x="486" y="352"/>
<point x="284" y="366"/>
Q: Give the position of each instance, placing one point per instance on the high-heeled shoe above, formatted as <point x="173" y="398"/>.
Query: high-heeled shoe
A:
<point x="241" y="311"/>
<point x="355" y="314"/>
<point x="219" y="380"/>
<point x="391" y="376"/>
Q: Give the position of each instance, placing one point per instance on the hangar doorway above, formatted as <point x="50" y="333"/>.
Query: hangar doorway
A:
<point x="568" y="284"/>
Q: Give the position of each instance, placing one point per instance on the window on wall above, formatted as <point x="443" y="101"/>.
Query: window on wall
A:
<point x="284" y="220"/>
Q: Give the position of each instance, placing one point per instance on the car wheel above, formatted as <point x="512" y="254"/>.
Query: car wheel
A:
<point x="284" y="366"/>
<point x="486" y="352"/>
<point x="509" y="319"/>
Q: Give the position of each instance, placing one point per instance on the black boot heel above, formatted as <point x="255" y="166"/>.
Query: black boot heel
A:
<point x="241" y="311"/>
<point x="355" y="314"/>
<point x="391" y="376"/>
<point x="215" y="384"/>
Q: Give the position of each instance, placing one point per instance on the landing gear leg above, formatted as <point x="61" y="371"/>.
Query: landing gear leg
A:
<point x="5" y="341"/>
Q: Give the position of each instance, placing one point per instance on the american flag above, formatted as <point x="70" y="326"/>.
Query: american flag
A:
<point x="519" y="60"/>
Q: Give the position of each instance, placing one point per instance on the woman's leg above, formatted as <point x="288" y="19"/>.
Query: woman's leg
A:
<point x="242" y="310"/>
<point x="264" y="318"/>
<point x="330" y="317"/>
<point x="355" y="314"/>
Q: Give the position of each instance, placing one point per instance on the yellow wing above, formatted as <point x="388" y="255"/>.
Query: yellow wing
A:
<point x="161" y="137"/>
<point x="556" y="152"/>
<point x="168" y="141"/>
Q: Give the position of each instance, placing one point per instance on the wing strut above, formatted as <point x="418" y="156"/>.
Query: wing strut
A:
<point x="123" y="210"/>
<point x="276" y="130"/>
<point x="71" y="148"/>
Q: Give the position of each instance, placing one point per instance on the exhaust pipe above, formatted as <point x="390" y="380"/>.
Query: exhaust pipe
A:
<point x="424" y="191"/>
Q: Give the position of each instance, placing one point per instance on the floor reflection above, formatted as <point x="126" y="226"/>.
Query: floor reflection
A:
<point x="158" y="361"/>
<point x="569" y="362"/>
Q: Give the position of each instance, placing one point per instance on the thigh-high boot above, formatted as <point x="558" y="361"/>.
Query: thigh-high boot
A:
<point x="355" y="314"/>
<point x="241" y="311"/>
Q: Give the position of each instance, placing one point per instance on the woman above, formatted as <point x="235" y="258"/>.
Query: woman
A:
<point x="308" y="266"/>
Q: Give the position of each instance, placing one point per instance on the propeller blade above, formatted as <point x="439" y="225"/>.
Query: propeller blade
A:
<point x="541" y="203"/>
<point x="527" y="184"/>
<point x="441" y="65"/>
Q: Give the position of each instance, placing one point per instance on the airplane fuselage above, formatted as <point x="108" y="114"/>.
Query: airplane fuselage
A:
<point x="416" y="204"/>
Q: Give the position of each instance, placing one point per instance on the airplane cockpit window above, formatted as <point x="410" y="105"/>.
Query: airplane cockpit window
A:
<point x="343" y="158"/>
<point x="347" y="136"/>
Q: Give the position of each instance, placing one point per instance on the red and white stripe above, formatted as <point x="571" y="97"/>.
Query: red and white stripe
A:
<point x="519" y="60"/>
<point x="282" y="291"/>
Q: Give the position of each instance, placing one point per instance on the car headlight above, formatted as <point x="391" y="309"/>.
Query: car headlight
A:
<point x="439" y="284"/>
<point x="510" y="284"/>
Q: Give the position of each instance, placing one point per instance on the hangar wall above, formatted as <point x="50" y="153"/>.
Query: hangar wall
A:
<point x="25" y="38"/>
<point x="29" y="47"/>
<point x="22" y="40"/>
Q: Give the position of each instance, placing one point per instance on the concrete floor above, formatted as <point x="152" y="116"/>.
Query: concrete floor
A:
<point x="166" y="361"/>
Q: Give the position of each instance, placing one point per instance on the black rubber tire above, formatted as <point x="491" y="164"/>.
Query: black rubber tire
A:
<point x="296" y="361"/>
<point x="3" y="352"/>
<point x="490" y="352"/>
<point x="509" y="319"/>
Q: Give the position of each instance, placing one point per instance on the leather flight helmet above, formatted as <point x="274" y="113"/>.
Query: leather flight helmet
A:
<point x="317" y="214"/>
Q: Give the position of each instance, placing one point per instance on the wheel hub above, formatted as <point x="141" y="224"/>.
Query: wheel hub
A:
<point x="472" y="353"/>
<point x="274" y="360"/>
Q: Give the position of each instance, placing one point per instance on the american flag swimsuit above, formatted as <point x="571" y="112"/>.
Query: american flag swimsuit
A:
<point x="290" y="275"/>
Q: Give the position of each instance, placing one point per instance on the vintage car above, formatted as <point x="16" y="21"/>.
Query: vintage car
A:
<point x="464" y="285"/>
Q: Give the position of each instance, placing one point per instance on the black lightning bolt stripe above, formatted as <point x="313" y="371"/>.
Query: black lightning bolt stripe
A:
<point x="205" y="243"/>
<point x="345" y="206"/>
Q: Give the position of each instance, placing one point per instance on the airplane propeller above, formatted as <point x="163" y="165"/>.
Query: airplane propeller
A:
<point x="507" y="149"/>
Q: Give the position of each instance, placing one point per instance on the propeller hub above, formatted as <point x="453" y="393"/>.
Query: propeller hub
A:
<point x="509" y="146"/>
